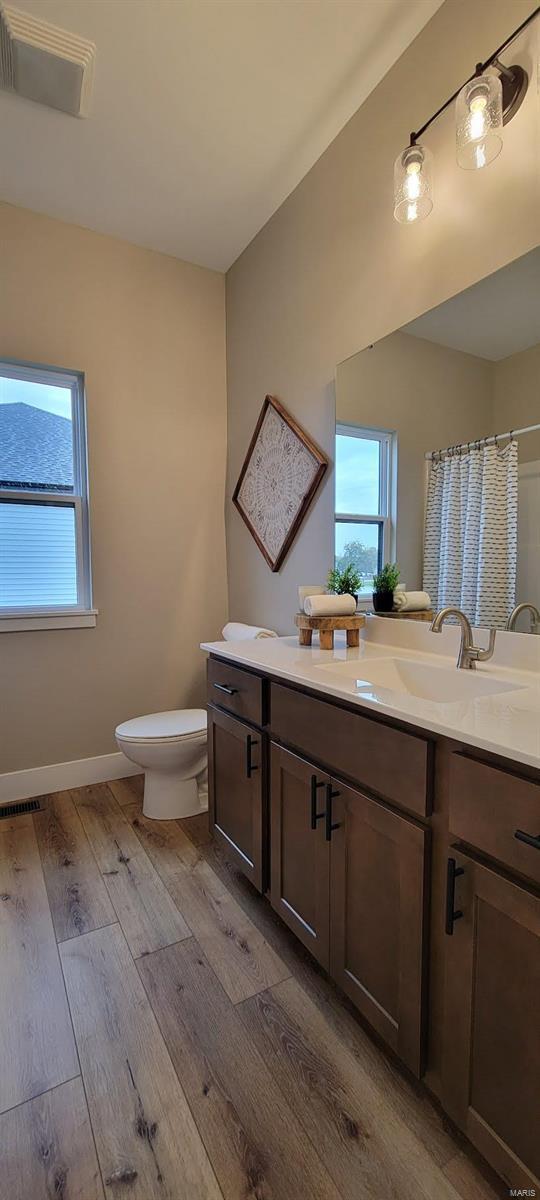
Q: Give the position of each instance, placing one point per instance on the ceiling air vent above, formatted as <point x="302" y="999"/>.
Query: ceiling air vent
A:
<point x="44" y="63"/>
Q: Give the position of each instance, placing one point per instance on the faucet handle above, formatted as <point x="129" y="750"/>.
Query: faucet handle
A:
<point x="481" y="655"/>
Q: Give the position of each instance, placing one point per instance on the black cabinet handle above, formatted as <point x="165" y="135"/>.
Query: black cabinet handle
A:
<point x="224" y="687"/>
<point x="330" y="826"/>
<point x="250" y="766"/>
<point x="529" y="838"/>
<point x="452" y="914"/>
<point x="315" y="816"/>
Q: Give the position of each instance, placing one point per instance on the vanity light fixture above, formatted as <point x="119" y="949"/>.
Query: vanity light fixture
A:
<point x="479" y="121"/>
<point x="413" y="188"/>
<point x="487" y="101"/>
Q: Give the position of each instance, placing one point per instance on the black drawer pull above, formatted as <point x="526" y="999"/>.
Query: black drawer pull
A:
<point x="529" y="838"/>
<point x="315" y="816"/>
<point x="452" y="914"/>
<point x="224" y="687"/>
<point x="330" y="826"/>
<point x="250" y="766"/>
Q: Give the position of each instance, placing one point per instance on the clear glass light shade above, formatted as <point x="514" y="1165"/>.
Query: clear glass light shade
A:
<point x="479" y="122"/>
<point x="413" y="184"/>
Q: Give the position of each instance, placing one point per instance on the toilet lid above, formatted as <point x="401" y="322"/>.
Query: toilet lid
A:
<point x="181" y="722"/>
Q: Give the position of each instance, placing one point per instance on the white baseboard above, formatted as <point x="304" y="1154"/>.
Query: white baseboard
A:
<point x="22" y="785"/>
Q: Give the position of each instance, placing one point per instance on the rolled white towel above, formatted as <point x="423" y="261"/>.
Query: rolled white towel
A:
<point x="236" y="631"/>
<point x="329" y="606"/>
<point x="411" y="601"/>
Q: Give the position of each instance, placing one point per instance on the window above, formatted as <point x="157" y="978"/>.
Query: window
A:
<point x="363" y="501"/>
<point x="44" y="535"/>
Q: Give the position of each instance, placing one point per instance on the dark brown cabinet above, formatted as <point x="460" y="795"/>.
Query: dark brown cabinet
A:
<point x="351" y="822"/>
<point x="236" y="770"/>
<point x="491" y="1061"/>
<point x="378" y="917"/>
<point x="348" y="877"/>
<point x="395" y="765"/>
<point x="300" y="862"/>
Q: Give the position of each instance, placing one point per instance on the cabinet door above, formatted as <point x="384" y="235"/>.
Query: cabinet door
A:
<point x="299" y="853"/>
<point x="491" y="1056"/>
<point x="235" y="778"/>
<point x="378" y="919"/>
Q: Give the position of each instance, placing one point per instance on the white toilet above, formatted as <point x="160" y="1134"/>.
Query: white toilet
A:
<point x="170" y="747"/>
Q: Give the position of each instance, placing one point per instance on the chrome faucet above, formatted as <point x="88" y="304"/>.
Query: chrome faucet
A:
<point x="535" y="616"/>
<point x="469" y="654"/>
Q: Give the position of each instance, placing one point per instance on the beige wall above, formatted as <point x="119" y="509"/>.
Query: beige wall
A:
<point x="517" y="398"/>
<point x="431" y="397"/>
<point x="148" y="331"/>
<point x="332" y="271"/>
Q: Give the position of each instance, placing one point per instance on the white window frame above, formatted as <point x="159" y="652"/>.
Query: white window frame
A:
<point x="81" y="614"/>
<point x="383" y="518"/>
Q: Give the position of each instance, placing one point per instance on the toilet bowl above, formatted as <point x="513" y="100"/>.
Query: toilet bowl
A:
<point x="170" y="748"/>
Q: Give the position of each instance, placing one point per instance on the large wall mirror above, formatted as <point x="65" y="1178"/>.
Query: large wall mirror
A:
<point x="438" y="451"/>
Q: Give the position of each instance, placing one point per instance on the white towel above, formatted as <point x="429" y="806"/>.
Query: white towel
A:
<point x="411" y="601"/>
<point x="329" y="606"/>
<point x="235" y="631"/>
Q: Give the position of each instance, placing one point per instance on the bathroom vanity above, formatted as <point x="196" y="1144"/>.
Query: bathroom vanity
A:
<point x="395" y="828"/>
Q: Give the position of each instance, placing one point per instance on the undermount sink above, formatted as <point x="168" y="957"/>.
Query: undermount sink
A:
<point x="440" y="685"/>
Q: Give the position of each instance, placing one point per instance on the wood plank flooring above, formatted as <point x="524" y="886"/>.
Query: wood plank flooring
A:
<point x="145" y="1133"/>
<point x="48" y="1148"/>
<point x="37" y="1049"/>
<point x="77" y="894"/>
<point x="149" y="917"/>
<point x="239" y="1108"/>
<point x="178" y="1042"/>
<point x="239" y="955"/>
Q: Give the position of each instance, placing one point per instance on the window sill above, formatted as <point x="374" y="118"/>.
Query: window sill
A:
<point x="17" y="622"/>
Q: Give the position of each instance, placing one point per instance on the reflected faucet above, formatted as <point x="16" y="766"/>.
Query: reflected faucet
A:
<point x="535" y="616"/>
<point x="469" y="654"/>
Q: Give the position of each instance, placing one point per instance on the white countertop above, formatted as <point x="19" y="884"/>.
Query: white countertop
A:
<point x="505" y="723"/>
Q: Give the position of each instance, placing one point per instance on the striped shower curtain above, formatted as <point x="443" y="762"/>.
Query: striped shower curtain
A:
<point x="470" y="543"/>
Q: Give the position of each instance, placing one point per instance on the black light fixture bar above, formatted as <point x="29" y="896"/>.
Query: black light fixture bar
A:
<point x="479" y="70"/>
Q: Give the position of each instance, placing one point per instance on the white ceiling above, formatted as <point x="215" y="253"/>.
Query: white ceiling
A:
<point x="206" y="113"/>
<point x="496" y="317"/>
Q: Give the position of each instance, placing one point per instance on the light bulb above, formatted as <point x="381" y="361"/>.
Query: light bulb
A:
<point x="479" y="120"/>
<point x="413" y="184"/>
<point x="478" y="106"/>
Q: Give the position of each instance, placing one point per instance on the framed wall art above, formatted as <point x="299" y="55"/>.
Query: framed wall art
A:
<point x="281" y="473"/>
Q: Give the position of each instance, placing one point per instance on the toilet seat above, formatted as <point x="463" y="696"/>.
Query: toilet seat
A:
<point x="178" y="725"/>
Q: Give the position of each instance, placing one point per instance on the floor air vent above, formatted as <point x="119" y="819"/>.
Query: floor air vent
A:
<point x="16" y="810"/>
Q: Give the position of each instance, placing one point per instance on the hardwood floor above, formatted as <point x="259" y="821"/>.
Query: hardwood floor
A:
<point x="145" y="1133"/>
<point x="149" y="917"/>
<point x="239" y="955"/>
<point x="48" y="1148"/>
<point x="178" y="1042"/>
<point x="37" y="1049"/>
<point x="77" y="894"/>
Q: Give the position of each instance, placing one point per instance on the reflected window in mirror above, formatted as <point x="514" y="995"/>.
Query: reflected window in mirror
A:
<point x="363" y="528"/>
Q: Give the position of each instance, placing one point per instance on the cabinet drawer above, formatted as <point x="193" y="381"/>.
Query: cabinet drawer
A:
<point x="393" y="764"/>
<point x="236" y="690"/>
<point x="490" y="807"/>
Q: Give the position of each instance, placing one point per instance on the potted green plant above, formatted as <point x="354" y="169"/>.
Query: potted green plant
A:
<point x="385" y="584"/>
<point x="345" y="581"/>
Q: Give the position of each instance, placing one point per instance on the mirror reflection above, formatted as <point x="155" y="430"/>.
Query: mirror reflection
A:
<point x="438" y="455"/>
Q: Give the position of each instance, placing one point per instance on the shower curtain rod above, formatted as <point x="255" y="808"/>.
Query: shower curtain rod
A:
<point x="485" y="441"/>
